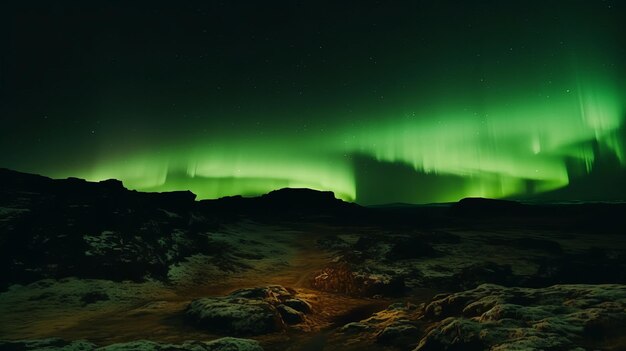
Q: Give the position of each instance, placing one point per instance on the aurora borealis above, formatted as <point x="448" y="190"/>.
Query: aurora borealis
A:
<point x="428" y="101"/>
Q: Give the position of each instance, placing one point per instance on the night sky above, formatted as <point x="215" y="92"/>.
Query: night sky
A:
<point x="405" y="101"/>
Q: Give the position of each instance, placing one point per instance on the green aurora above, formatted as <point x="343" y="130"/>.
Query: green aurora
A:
<point x="512" y="107"/>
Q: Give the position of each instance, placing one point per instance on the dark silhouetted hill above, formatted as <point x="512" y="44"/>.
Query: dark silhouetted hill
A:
<point x="54" y="228"/>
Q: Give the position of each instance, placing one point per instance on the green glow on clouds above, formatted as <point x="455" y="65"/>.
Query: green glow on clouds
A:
<point x="506" y="145"/>
<point x="497" y="151"/>
<point x="513" y="121"/>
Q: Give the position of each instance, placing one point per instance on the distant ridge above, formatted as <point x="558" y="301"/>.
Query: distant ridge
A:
<point x="34" y="188"/>
<point x="287" y="200"/>
<point x="52" y="228"/>
<point x="40" y="189"/>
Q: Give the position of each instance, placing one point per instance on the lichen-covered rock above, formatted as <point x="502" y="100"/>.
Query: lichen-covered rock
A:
<point x="233" y="344"/>
<point x="253" y="311"/>
<point x="223" y="344"/>
<point x="397" y="332"/>
<point x="563" y="317"/>
<point x="143" y="345"/>
<point x="51" y="344"/>
<point x="397" y="325"/>
<point x="497" y="318"/>
<point x="55" y="344"/>
<point x="235" y="315"/>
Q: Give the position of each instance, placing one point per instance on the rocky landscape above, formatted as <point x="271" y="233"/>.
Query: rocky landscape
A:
<point x="94" y="266"/>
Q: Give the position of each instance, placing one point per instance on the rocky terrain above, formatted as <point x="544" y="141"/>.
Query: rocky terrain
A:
<point x="493" y="317"/>
<point x="249" y="311"/>
<point x="94" y="266"/>
<point x="223" y="344"/>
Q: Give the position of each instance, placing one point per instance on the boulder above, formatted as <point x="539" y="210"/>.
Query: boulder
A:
<point x="235" y="315"/>
<point x="290" y="315"/>
<point x="396" y="326"/>
<point x="250" y="311"/>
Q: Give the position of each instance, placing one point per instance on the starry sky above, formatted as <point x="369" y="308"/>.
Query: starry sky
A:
<point x="377" y="101"/>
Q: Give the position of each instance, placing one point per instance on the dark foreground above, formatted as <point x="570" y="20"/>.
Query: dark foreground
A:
<point x="94" y="266"/>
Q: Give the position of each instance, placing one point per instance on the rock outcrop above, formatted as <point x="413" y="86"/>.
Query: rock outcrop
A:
<point x="251" y="311"/>
<point x="54" y="344"/>
<point x="493" y="317"/>
<point x="397" y="325"/>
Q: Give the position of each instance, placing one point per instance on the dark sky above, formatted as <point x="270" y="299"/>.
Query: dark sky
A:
<point x="420" y="101"/>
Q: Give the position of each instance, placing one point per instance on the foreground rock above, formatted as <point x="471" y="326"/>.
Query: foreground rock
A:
<point x="251" y="311"/>
<point x="54" y="344"/>
<point x="561" y="317"/>
<point x="493" y="317"/>
<point x="394" y="263"/>
<point x="398" y="325"/>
